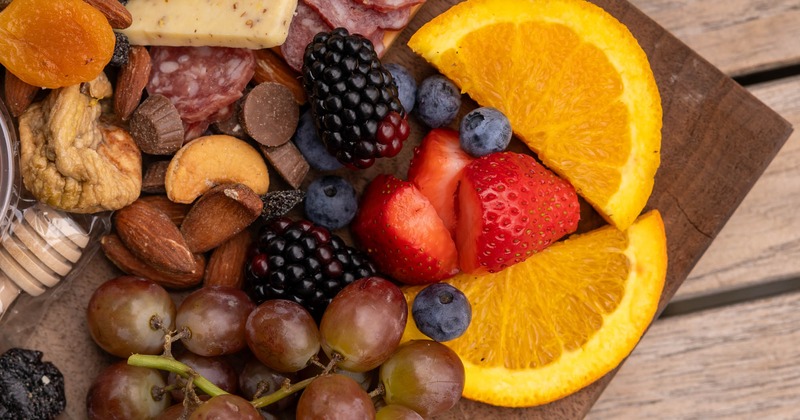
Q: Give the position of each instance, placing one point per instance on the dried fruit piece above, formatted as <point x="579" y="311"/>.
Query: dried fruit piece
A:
<point x="156" y="126"/>
<point x="71" y="160"/>
<point x="24" y="391"/>
<point x="278" y="203"/>
<point x="213" y="160"/>
<point x="41" y="56"/>
<point x="222" y="212"/>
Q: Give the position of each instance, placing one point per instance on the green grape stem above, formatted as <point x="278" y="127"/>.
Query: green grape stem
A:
<point x="171" y="365"/>
<point x="284" y="391"/>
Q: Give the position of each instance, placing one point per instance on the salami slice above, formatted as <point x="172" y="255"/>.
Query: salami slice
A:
<point x="377" y="41"/>
<point x="357" y="18"/>
<point x="305" y="24"/>
<point x="194" y="130"/>
<point x="200" y="81"/>
<point x="386" y="5"/>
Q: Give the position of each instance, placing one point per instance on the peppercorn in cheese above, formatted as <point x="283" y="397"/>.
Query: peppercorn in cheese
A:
<point x="250" y="24"/>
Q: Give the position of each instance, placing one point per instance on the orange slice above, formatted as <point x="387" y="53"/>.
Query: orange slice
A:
<point x="551" y="325"/>
<point x="572" y="80"/>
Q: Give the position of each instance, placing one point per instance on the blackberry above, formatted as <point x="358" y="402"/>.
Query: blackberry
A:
<point x="304" y="263"/>
<point x="353" y="98"/>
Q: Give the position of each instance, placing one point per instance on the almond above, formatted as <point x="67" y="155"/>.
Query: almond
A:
<point x="220" y="213"/>
<point x="117" y="15"/>
<point x="175" y="211"/>
<point x="124" y="259"/>
<point x="226" y="264"/>
<point x="150" y="235"/>
<point x="19" y="94"/>
<point x="131" y="81"/>
<point x="271" y="68"/>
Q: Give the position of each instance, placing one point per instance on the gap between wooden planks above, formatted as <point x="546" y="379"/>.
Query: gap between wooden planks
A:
<point x="738" y="360"/>
<point x="734" y="362"/>
<point x="738" y="36"/>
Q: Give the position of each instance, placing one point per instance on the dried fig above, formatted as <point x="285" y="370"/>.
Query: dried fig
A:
<point x="71" y="160"/>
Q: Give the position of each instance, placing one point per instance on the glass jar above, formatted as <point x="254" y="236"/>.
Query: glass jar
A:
<point x="9" y="178"/>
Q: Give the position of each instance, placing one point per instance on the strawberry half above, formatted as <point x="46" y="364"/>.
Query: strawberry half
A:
<point x="399" y="229"/>
<point x="510" y="207"/>
<point x="436" y="169"/>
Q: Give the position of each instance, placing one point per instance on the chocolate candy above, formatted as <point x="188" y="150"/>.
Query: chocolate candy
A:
<point x="270" y="114"/>
<point x="156" y="126"/>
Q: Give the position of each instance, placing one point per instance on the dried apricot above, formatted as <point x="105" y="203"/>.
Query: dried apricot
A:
<point x="54" y="43"/>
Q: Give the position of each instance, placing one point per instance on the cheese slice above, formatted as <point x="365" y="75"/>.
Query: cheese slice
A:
<point x="252" y="24"/>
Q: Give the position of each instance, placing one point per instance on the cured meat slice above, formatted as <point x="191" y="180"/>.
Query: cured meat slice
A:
<point x="357" y="18"/>
<point x="200" y="81"/>
<point x="386" y="5"/>
<point x="377" y="41"/>
<point x="194" y="130"/>
<point x="305" y="24"/>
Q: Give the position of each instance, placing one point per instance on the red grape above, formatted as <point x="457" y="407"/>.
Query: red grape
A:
<point x="215" y="317"/>
<point x="397" y="412"/>
<point x="364" y="323"/>
<point x="122" y="391"/>
<point x="216" y="369"/>
<point x="423" y="375"/>
<point x="125" y="316"/>
<point x="282" y="335"/>
<point x="365" y="379"/>
<point x="226" y="407"/>
<point x="334" y="397"/>
<point x="174" y="412"/>
<point x="255" y="374"/>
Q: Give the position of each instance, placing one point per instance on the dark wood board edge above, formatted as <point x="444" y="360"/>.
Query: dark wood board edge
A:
<point x="707" y="169"/>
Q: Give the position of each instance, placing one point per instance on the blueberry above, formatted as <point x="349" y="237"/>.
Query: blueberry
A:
<point x="312" y="148"/>
<point x="406" y="85"/>
<point x="438" y="100"/>
<point x="441" y="312"/>
<point x="483" y="131"/>
<point x="331" y="202"/>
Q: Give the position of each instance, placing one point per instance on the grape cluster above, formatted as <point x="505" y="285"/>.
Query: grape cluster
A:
<point x="289" y="365"/>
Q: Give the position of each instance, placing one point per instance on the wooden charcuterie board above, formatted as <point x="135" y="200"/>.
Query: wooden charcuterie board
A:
<point x="717" y="141"/>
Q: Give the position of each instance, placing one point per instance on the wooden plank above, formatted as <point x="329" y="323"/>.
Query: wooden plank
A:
<point x="758" y="243"/>
<point x="738" y="36"/>
<point x="733" y="362"/>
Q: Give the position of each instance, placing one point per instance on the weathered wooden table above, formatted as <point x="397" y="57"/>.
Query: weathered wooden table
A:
<point x="725" y="347"/>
